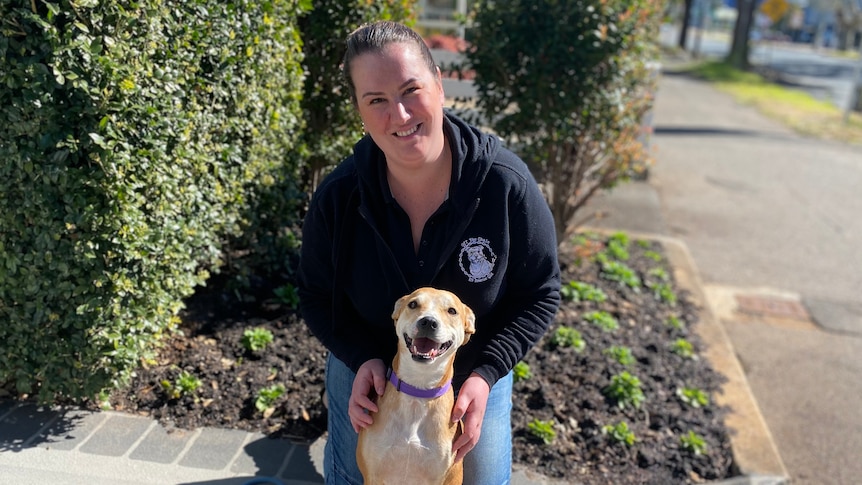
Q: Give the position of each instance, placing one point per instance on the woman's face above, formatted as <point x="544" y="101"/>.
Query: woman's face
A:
<point x="401" y="104"/>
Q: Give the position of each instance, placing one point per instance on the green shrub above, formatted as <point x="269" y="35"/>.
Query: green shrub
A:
<point x="566" y="84"/>
<point x="136" y="137"/>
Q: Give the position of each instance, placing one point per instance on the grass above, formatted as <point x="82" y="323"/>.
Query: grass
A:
<point x="796" y="109"/>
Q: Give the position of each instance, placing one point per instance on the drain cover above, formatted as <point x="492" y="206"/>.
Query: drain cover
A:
<point x="770" y="306"/>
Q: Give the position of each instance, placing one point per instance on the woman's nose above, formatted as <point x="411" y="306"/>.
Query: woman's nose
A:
<point x="401" y="112"/>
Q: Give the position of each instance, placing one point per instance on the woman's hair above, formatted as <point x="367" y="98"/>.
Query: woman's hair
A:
<point x="374" y="37"/>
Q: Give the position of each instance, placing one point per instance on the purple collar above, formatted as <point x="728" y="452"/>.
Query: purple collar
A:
<point x="415" y="391"/>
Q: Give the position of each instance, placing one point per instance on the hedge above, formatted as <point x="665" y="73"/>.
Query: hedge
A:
<point x="135" y="138"/>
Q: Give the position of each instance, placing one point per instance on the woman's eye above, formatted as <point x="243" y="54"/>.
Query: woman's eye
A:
<point x="412" y="305"/>
<point x="376" y="101"/>
<point x="411" y="90"/>
<point x="453" y="311"/>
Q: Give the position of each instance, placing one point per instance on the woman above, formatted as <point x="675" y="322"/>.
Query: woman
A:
<point x="425" y="200"/>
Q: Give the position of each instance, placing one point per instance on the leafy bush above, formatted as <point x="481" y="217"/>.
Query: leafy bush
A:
<point x="567" y="84"/>
<point x="135" y="138"/>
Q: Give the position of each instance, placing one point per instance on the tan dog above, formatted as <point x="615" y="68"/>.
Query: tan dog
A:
<point x="412" y="435"/>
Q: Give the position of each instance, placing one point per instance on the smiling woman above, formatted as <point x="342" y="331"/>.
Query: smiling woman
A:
<point x="425" y="200"/>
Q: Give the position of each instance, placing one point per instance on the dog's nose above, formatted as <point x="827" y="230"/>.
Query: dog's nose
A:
<point x="428" y="323"/>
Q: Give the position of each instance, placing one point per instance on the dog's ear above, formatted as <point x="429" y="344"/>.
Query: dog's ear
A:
<point x="469" y="322"/>
<point x="399" y="307"/>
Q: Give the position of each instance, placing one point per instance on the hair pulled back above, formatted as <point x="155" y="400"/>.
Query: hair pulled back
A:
<point x="374" y="38"/>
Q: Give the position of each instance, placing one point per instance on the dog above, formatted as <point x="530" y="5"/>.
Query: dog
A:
<point x="411" y="438"/>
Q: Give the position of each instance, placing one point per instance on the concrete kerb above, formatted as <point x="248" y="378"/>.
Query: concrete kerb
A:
<point x="754" y="452"/>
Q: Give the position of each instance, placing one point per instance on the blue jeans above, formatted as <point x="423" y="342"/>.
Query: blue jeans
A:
<point x="489" y="463"/>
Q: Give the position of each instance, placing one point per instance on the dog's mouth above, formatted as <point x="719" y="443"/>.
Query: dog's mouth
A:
<point x="425" y="349"/>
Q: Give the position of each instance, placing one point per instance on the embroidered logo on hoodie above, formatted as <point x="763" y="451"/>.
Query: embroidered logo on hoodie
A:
<point x="477" y="259"/>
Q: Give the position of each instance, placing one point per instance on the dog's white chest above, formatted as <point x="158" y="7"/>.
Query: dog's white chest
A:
<point x="409" y="445"/>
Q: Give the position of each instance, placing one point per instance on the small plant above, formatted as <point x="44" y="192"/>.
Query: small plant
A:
<point x="620" y="238"/>
<point x="617" y="250"/>
<point x="544" y="430"/>
<point x="664" y="293"/>
<point x="578" y="291"/>
<point x="256" y="339"/>
<point x="620" y="433"/>
<point x="623" y="355"/>
<point x="622" y="273"/>
<point x="660" y="273"/>
<point x="653" y="256"/>
<point x="568" y="337"/>
<point x="521" y="372"/>
<point x="693" y="397"/>
<point x="288" y="295"/>
<point x="626" y="390"/>
<point x="186" y="383"/>
<point x="603" y="320"/>
<point x="643" y="243"/>
<point x="693" y="443"/>
<point x="683" y="348"/>
<point x="267" y="397"/>
<point x="674" y="322"/>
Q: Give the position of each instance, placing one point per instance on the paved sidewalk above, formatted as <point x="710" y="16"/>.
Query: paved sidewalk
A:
<point x="41" y="446"/>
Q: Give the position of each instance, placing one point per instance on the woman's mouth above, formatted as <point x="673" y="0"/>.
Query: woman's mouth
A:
<point x="408" y="132"/>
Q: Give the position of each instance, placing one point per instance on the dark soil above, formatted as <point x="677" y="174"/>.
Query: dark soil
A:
<point x="566" y="386"/>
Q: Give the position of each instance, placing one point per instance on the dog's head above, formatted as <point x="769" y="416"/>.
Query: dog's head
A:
<point x="431" y="323"/>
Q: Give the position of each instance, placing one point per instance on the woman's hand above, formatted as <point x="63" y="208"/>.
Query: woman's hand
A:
<point x="470" y="406"/>
<point x="371" y="376"/>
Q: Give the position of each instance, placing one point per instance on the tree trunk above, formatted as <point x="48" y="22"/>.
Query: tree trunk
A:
<point x="686" y="15"/>
<point x="738" y="56"/>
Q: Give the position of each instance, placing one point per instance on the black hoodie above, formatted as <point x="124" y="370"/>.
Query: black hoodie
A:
<point x="492" y="243"/>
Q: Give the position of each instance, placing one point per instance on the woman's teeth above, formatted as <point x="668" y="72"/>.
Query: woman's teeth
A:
<point x="408" y="132"/>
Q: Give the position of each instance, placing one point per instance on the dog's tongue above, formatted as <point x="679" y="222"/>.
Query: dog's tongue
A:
<point x="424" y="346"/>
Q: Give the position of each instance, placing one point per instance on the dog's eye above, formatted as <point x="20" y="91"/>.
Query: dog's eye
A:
<point x="453" y="311"/>
<point x="412" y="305"/>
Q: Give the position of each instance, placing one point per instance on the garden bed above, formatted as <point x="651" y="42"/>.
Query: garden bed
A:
<point x="614" y="393"/>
